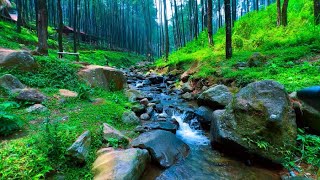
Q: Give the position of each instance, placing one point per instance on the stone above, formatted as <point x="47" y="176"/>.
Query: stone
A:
<point x="67" y="93"/>
<point x="134" y="95"/>
<point x="261" y="113"/>
<point x="144" y="101"/>
<point x="216" y="97"/>
<point x="111" y="132"/>
<point x="167" y="126"/>
<point x="186" y="87"/>
<point x="185" y="76"/>
<point x="145" y="117"/>
<point x="17" y="59"/>
<point x="187" y="96"/>
<point x="205" y="115"/>
<point x="123" y="164"/>
<point x="257" y="60"/>
<point x="138" y="109"/>
<point x="154" y="79"/>
<point x="164" y="147"/>
<point x="29" y="95"/>
<point x="79" y="150"/>
<point x="37" y="108"/>
<point x="103" y="77"/>
<point x="130" y="117"/>
<point x="10" y="82"/>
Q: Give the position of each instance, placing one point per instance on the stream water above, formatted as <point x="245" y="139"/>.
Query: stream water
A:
<point x="203" y="162"/>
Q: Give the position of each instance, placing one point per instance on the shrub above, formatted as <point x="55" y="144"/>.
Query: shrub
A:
<point x="9" y="122"/>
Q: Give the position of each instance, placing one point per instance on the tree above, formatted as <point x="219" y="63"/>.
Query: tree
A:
<point x="19" y="21"/>
<point x="60" y="28"/>
<point x="284" y="13"/>
<point x="316" y="12"/>
<point x="234" y="11"/>
<point x="228" y="29"/>
<point x="42" y="27"/>
<point x="278" y="12"/>
<point x="166" y="30"/>
<point x="209" y="23"/>
<point x="75" y="19"/>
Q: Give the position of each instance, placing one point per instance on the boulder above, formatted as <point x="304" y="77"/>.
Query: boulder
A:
<point x="186" y="87"/>
<point x="10" y="82"/>
<point x="165" y="148"/>
<point x="17" y="59"/>
<point x="260" y="120"/>
<point x="187" y="96"/>
<point x="37" y="108"/>
<point x="138" y="109"/>
<point x="79" y="150"/>
<point x="134" y="95"/>
<point x="205" y="115"/>
<point x="104" y="77"/>
<point x="216" y="97"/>
<point x="29" y="95"/>
<point x="130" y="117"/>
<point x="111" y="132"/>
<point x="126" y="164"/>
<point x="167" y="126"/>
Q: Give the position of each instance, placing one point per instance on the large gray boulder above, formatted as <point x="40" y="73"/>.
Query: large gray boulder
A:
<point x="28" y="95"/>
<point x="125" y="165"/>
<point x="17" y="59"/>
<point x="205" y="115"/>
<point x="104" y="77"/>
<point x="216" y="97"/>
<point x="260" y="120"/>
<point x="130" y="117"/>
<point x="79" y="150"/>
<point x="165" y="148"/>
<point x="10" y="82"/>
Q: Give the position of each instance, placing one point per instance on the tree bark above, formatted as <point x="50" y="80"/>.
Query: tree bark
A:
<point x="19" y="21"/>
<point x="278" y="13"/>
<point x="42" y="27"/>
<point x="209" y="23"/>
<point x="234" y="11"/>
<point x="285" y="13"/>
<point x="228" y="29"/>
<point x="166" y="30"/>
<point x="60" y="28"/>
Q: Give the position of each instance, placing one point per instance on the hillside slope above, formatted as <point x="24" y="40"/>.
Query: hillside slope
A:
<point x="289" y="55"/>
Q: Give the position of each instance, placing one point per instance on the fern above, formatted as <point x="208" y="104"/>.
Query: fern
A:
<point x="9" y="122"/>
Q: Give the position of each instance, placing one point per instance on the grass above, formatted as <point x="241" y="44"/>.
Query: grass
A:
<point x="37" y="151"/>
<point x="292" y="52"/>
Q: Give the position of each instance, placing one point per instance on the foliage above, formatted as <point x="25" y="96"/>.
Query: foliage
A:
<point x="9" y="121"/>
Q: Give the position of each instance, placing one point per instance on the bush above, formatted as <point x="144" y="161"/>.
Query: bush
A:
<point x="9" y="122"/>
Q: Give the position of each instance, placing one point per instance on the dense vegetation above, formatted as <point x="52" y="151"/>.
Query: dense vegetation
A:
<point x="291" y="52"/>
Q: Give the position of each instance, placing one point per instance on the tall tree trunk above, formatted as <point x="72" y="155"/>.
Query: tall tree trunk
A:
<point x="317" y="11"/>
<point x="166" y="30"/>
<point x="219" y="13"/>
<point x="234" y="11"/>
<point x="60" y="28"/>
<point x="75" y="34"/>
<point x="209" y="23"/>
<point x="278" y="12"/>
<point x="19" y="21"/>
<point x="257" y="5"/>
<point x="228" y="29"/>
<point x="42" y="27"/>
<point x="248" y="6"/>
<point x="285" y="13"/>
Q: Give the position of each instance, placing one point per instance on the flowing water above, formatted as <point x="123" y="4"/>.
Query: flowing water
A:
<point x="203" y="162"/>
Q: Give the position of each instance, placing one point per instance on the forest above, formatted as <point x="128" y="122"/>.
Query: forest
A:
<point x="160" y="89"/>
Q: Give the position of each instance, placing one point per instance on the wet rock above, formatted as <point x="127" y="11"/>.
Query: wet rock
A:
<point x="261" y="113"/>
<point x="17" y="59"/>
<point x="150" y="110"/>
<point x="104" y="77"/>
<point x="205" y="115"/>
<point x="37" y="108"/>
<point x="167" y="126"/>
<point x="29" y="95"/>
<point x="111" y="132"/>
<point x="10" y="82"/>
<point x="216" y="97"/>
<point x="187" y="96"/>
<point x="134" y="95"/>
<point x="67" y="93"/>
<point x="130" y="117"/>
<point x="159" y="108"/>
<point x="125" y="164"/>
<point x="79" y="150"/>
<point x="146" y="82"/>
<point x="144" y="101"/>
<point x="138" y="109"/>
<point x="165" y="148"/>
<point x="145" y="117"/>
<point x="154" y="79"/>
<point x="185" y="76"/>
<point x="186" y="87"/>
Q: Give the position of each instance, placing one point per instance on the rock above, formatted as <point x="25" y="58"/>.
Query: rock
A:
<point x="134" y="95"/>
<point x="126" y="164"/>
<point x="17" y="59"/>
<point x="187" y="96"/>
<point x="145" y="117"/>
<point x="165" y="148"/>
<point x="36" y="108"/>
<point x="217" y="97"/>
<point x="98" y="101"/>
<point x="29" y="95"/>
<point x="185" y="76"/>
<point x="257" y="60"/>
<point x="104" y="77"/>
<point x="159" y="108"/>
<point x="311" y="96"/>
<point x="10" y="82"/>
<point x="205" y="115"/>
<point x="110" y="132"/>
<point x="144" y="101"/>
<point x="167" y="126"/>
<point x="186" y="87"/>
<point x="154" y="79"/>
<point x="79" y="150"/>
<point x="138" y="109"/>
<point x="260" y="120"/>
<point x="67" y="93"/>
<point x="130" y="117"/>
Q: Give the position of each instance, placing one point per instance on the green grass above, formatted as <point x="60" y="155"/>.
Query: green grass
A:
<point x="292" y="52"/>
